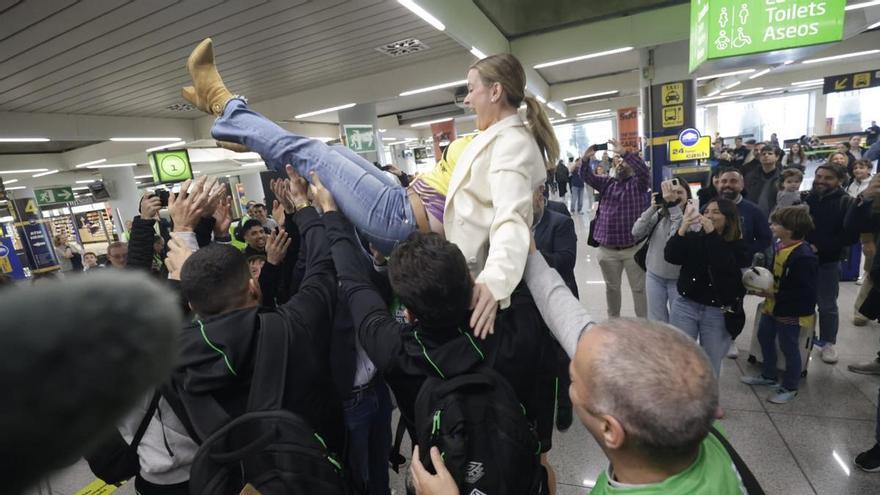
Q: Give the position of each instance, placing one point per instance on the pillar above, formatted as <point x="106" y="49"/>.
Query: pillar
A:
<point x="124" y="196"/>
<point x="253" y="188"/>
<point x="364" y="114"/>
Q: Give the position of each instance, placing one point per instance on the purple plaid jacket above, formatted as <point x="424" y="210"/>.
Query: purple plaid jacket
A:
<point x="621" y="202"/>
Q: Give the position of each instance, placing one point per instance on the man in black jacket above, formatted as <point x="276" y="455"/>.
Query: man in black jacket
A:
<point x="217" y="350"/>
<point x="829" y="204"/>
<point x="556" y="240"/>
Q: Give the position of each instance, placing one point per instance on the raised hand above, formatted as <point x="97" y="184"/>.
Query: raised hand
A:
<point x="222" y="216"/>
<point x="668" y="191"/>
<point x="281" y="189"/>
<point x="276" y="247"/>
<point x="150" y="206"/>
<point x="278" y="213"/>
<point x="322" y="195"/>
<point x="178" y="253"/>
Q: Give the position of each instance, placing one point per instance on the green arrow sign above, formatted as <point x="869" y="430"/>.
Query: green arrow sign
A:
<point x="53" y="195"/>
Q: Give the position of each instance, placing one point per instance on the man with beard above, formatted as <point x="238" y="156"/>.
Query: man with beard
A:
<point x="762" y="181"/>
<point x="254" y="235"/>
<point x="755" y="223"/>
<point x="828" y="204"/>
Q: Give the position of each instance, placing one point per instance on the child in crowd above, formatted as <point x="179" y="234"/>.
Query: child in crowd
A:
<point x="861" y="178"/>
<point x="790" y="304"/>
<point x="789" y="188"/>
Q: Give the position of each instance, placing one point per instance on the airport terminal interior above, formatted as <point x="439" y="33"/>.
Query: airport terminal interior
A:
<point x="747" y="128"/>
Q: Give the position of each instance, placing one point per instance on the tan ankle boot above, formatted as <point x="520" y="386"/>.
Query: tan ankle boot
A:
<point x="207" y="92"/>
<point x="238" y="148"/>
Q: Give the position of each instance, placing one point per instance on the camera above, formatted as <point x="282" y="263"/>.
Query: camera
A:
<point x="163" y="194"/>
<point x="601" y="147"/>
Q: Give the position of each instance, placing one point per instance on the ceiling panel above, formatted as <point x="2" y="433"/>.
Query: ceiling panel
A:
<point x="128" y="58"/>
<point x="584" y="69"/>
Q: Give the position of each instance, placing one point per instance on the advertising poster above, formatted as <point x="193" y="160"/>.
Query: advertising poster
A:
<point x="628" y="127"/>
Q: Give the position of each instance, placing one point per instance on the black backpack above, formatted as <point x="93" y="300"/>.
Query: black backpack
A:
<point x="482" y="432"/>
<point x="274" y="450"/>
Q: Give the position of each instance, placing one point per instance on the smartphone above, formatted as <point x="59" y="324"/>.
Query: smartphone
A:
<point x="658" y="199"/>
<point x="601" y="147"/>
<point x="676" y="182"/>
<point x="163" y="194"/>
<point x="695" y="227"/>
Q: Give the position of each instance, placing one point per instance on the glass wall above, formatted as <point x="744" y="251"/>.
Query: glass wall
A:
<point x="853" y="111"/>
<point x="575" y="138"/>
<point x="787" y="116"/>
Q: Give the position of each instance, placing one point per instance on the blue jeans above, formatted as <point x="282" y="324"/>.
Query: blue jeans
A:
<point x="877" y="424"/>
<point x="662" y="293"/>
<point x="577" y="199"/>
<point x="375" y="203"/>
<point x="705" y="323"/>
<point x="769" y="331"/>
<point x="826" y="297"/>
<point x="368" y="420"/>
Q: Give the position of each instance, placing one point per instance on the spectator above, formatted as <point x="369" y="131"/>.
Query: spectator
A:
<point x="90" y="261"/>
<point x="258" y="212"/>
<point x="710" y="191"/>
<point x="855" y="147"/>
<point x="117" y="255"/>
<point x="846" y="149"/>
<point x="253" y="233"/>
<point x="872" y="133"/>
<point x="562" y="179"/>
<point x="576" y="182"/>
<point x="762" y="181"/>
<point x="624" y="198"/>
<point x="660" y="221"/>
<point x="740" y="152"/>
<point x="68" y="254"/>
<point x="789" y="305"/>
<point x="789" y="188"/>
<point x="550" y="184"/>
<point x="755" y="226"/>
<point x="828" y="204"/>
<point x="861" y="178"/>
<point x="255" y="265"/>
<point x="869" y="237"/>
<point x="600" y="171"/>
<point x="774" y="140"/>
<point x="795" y="158"/>
<point x="710" y="279"/>
<point x="753" y="159"/>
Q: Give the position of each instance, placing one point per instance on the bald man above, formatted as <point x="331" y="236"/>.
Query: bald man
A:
<point x="645" y="392"/>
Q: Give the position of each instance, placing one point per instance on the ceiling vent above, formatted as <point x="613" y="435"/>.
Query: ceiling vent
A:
<point x="180" y="107"/>
<point x="403" y="47"/>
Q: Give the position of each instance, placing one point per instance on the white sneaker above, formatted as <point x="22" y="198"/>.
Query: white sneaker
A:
<point x="829" y="354"/>
<point x="733" y="352"/>
<point x="860" y="281"/>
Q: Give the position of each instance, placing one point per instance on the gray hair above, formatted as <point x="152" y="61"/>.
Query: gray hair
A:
<point x="657" y="383"/>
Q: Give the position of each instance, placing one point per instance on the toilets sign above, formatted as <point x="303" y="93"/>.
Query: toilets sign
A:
<point x="726" y="28"/>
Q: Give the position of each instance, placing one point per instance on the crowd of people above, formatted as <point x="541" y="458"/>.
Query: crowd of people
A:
<point x="453" y="298"/>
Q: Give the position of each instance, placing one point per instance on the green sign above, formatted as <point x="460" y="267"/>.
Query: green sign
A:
<point x="170" y="166"/>
<point x="53" y="195"/>
<point x="727" y="28"/>
<point x="360" y="138"/>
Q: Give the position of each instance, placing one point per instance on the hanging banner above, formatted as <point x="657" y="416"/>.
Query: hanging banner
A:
<point x="443" y="133"/>
<point x="628" y="127"/>
<point x="34" y="232"/>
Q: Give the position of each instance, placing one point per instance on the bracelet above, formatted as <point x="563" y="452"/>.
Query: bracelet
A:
<point x="301" y="206"/>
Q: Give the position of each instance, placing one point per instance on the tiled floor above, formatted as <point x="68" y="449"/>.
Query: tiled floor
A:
<point x="804" y="447"/>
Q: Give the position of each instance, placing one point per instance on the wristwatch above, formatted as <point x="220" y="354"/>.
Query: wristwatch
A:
<point x="302" y="205"/>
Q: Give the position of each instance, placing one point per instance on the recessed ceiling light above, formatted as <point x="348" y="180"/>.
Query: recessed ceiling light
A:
<point x="541" y="99"/>
<point x="10" y="181"/>
<point x="593" y="112"/>
<point x="788" y="62"/>
<point x="477" y="53"/>
<point x="112" y="165"/>
<point x="838" y="57"/>
<point x="24" y="171"/>
<point x="324" y="110"/>
<point x="424" y="14"/>
<point x="423" y="124"/>
<point x="583" y="57"/>
<point x="146" y="176"/>
<point x="434" y="88"/>
<point x="741" y="91"/>
<point x="86" y="181"/>
<point x="808" y="82"/>
<point x="759" y="74"/>
<point x="24" y="140"/>
<point x="16" y="188"/>
<point x="139" y="139"/>
<point x="855" y="6"/>
<point x="725" y="74"/>
<point x="79" y="188"/>
<point x="81" y="165"/>
<point x="872" y="26"/>
<point x="593" y="95"/>
<point x="172" y="145"/>
<point x="50" y="172"/>
<point x="733" y="84"/>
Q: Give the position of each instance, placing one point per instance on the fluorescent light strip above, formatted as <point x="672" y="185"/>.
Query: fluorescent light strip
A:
<point x="788" y="62"/>
<point x="325" y="110"/>
<point x="24" y="171"/>
<point x="404" y="141"/>
<point x="725" y="74"/>
<point x="856" y="6"/>
<point x="42" y="174"/>
<point x="142" y="139"/>
<point x="594" y="111"/>
<point x="255" y="164"/>
<point x="157" y="148"/>
<point x="838" y="57"/>
<point x="423" y="124"/>
<point x="715" y="93"/>
<point x="434" y="88"/>
<point x="113" y="165"/>
<point x="16" y="188"/>
<point x="11" y="181"/>
<point x="541" y="99"/>
<point x="733" y="85"/>
<point x="86" y="181"/>
<point x="740" y="91"/>
<point x="424" y="14"/>
<point x="759" y="74"/>
<point x="593" y="95"/>
<point x="81" y="165"/>
<point x="872" y="26"/>
<point x="598" y="115"/>
<point x="809" y="82"/>
<point x="147" y="176"/>
<point x="477" y="53"/>
<point x="24" y="140"/>
<point x="389" y="139"/>
<point x="583" y="57"/>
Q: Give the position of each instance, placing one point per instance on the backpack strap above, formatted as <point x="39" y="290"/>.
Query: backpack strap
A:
<point x="270" y="364"/>
<point x="748" y="479"/>
<point x="145" y="423"/>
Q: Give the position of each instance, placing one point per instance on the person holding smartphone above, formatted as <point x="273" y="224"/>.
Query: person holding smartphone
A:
<point x="710" y="281"/>
<point x="657" y="224"/>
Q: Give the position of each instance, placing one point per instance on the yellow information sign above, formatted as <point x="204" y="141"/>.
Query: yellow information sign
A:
<point x="673" y="94"/>
<point x="5" y="265"/>
<point x="97" y="487"/>
<point x="673" y="116"/>
<point x="678" y="152"/>
<point x="861" y="80"/>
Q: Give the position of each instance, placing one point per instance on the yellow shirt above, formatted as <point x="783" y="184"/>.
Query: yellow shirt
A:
<point x="782" y="254"/>
<point x="440" y="176"/>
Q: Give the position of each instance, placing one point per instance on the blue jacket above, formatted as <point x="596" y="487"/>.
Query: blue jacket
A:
<point x="575" y="179"/>
<point x="556" y="240"/>
<point x="755" y="228"/>
<point x="797" y="287"/>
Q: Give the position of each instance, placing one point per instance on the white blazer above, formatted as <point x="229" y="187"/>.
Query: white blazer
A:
<point x="489" y="204"/>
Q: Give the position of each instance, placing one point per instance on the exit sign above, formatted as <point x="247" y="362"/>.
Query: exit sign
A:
<point x="53" y="195"/>
<point x="727" y="28"/>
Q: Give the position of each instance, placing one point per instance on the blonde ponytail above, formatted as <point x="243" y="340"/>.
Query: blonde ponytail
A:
<point x="542" y="131"/>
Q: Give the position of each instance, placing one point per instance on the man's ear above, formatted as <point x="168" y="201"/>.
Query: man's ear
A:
<point x="613" y="433"/>
<point x="410" y="318"/>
